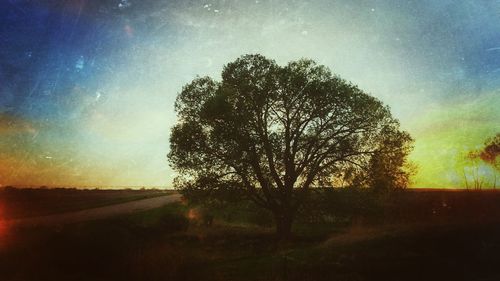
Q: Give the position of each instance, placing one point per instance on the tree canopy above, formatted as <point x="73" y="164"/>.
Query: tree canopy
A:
<point x="491" y="151"/>
<point x="273" y="132"/>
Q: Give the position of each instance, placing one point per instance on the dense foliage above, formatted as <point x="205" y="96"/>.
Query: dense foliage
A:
<point x="273" y="132"/>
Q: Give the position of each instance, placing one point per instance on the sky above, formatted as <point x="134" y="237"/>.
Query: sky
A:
<point x="87" y="88"/>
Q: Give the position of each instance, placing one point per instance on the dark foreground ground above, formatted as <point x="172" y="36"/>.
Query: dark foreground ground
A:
<point x="411" y="236"/>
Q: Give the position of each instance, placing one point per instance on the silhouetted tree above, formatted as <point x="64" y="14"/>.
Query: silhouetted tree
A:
<point x="389" y="167"/>
<point x="491" y="152"/>
<point x="489" y="155"/>
<point x="273" y="132"/>
<point x="474" y="171"/>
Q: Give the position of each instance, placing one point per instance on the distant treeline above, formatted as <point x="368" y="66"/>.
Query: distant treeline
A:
<point x="44" y="187"/>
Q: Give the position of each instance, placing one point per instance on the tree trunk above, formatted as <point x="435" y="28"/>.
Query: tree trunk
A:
<point x="284" y="221"/>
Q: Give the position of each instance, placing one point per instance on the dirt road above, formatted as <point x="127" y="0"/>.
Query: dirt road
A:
<point x="95" y="213"/>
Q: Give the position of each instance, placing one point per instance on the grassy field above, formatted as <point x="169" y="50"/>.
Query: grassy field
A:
<point x="22" y="203"/>
<point x="425" y="235"/>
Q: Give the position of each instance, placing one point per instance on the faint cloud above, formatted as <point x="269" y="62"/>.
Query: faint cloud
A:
<point x="10" y="124"/>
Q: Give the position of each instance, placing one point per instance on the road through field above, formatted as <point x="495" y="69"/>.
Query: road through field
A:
<point x="95" y="213"/>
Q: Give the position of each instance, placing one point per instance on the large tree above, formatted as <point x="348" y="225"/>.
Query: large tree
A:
<point x="273" y="132"/>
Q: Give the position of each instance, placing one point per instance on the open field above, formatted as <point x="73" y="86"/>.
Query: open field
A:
<point x="21" y="203"/>
<point x="414" y="235"/>
<point x="98" y="213"/>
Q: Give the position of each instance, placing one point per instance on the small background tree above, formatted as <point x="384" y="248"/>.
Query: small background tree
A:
<point x="483" y="164"/>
